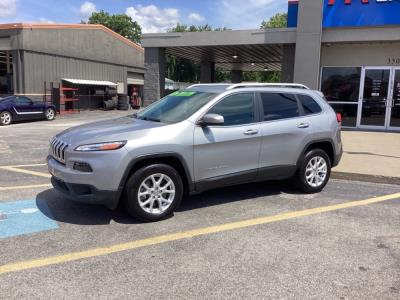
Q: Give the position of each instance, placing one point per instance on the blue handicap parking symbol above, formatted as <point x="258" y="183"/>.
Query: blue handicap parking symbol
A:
<point x="23" y="217"/>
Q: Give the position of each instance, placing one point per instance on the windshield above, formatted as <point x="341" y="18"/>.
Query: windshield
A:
<point x="175" y="107"/>
<point x="5" y="98"/>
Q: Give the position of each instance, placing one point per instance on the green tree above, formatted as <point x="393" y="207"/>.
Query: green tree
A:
<point x="179" y="28"/>
<point x="120" y="23"/>
<point x="193" y="28"/>
<point x="277" y="21"/>
<point x="262" y="76"/>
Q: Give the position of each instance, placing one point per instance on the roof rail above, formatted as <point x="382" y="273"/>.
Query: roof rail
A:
<point x="206" y="84"/>
<point x="270" y="84"/>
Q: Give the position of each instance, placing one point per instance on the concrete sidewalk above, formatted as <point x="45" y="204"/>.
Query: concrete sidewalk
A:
<point x="370" y="154"/>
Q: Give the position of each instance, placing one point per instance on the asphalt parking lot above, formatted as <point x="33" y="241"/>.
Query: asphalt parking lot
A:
<point x="261" y="240"/>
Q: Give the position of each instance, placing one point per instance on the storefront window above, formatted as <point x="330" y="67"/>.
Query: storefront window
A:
<point x="341" y="84"/>
<point x="348" y="112"/>
<point x="341" y="87"/>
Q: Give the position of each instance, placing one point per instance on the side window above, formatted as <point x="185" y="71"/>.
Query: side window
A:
<point x="236" y="109"/>
<point x="279" y="106"/>
<point x="24" y="101"/>
<point x="310" y="106"/>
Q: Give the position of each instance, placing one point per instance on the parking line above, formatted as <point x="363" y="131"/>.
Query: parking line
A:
<point x="24" y="166"/>
<point x="54" y="260"/>
<point x="18" y="170"/>
<point x="23" y="187"/>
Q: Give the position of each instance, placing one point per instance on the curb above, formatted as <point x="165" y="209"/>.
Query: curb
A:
<point x="366" y="178"/>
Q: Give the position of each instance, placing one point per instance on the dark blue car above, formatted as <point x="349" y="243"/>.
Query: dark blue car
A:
<point x="21" y="108"/>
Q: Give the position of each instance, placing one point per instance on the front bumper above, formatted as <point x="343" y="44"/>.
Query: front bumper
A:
<point x="77" y="186"/>
<point x="88" y="194"/>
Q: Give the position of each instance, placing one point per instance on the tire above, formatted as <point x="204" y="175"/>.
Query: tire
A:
<point x="308" y="178"/>
<point x="122" y="101"/>
<point x="50" y="114"/>
<point x="5" y="118"/>
<point x="147" y="206"/>
<point x="123" y="106"/>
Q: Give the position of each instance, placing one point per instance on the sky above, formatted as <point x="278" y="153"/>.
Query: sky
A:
<point x="152" y="15"/>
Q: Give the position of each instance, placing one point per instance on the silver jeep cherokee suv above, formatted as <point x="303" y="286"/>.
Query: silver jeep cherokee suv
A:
<point x="200" y="138"/>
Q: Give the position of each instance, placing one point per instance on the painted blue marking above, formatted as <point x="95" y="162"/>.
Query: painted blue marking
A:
<point x="23" y="217"/>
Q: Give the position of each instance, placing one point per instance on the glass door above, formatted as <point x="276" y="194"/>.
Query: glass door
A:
<point x="394" y="105"/>
<point x="375" y="97"/>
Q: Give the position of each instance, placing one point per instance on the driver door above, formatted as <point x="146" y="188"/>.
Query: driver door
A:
<point x="228" y="154"/>
<point x="26" y="109"/>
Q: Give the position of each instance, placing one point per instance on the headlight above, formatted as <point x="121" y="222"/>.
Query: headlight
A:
<point x="101" y="146"/>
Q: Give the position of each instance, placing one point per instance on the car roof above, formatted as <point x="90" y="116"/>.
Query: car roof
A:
<point x="220" y="88"/>
<point x="268" y="84"/>
<point x="223" y="87"/>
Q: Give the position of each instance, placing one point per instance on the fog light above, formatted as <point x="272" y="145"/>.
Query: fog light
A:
<point x="82" y="167"/>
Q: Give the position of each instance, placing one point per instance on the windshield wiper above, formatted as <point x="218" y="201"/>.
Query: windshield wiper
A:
<point x="149" y="119"/>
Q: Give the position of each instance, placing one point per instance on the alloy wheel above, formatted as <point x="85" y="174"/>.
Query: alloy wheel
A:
<point x="156" y="193"/>
<point x="5" y="118"/>
<point x="316" y="171"/>
<point x="50" y="114"/>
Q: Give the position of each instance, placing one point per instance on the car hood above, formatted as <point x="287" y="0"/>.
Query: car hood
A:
<point x="109" y="130"/>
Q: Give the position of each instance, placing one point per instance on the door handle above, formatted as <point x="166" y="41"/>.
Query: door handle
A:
<point x="251" y="132"/>
<point x="303" y="125"/>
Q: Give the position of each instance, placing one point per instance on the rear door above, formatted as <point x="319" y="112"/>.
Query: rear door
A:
<point x="284" y="134"/>
<point x="229" y="153"/>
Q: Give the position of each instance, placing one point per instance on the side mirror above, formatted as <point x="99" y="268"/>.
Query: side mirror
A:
<point x="212" y="119"/>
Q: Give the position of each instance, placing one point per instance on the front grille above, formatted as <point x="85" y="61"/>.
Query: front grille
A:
<point x="57" y="150"/>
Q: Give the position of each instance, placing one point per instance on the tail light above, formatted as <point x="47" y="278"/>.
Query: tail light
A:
<point x="339" y="117"/>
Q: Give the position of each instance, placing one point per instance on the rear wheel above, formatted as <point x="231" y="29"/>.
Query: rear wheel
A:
<point x="153" y="192"/>
<point x="314" y="171"/>
<point x="50" y="114"/>
<point x="5" y="118"/>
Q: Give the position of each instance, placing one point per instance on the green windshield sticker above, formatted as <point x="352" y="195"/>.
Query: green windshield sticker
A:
<point x="183" y="93"/>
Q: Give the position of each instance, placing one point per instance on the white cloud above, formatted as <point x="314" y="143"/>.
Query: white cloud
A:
<point x="46" y="21"/>
<point x="8" y="8"/>
<point x="195" y="17"/>
<point x="87" y="9"/>
<point x="233" y="14"/>
<point x="153" y="18"/>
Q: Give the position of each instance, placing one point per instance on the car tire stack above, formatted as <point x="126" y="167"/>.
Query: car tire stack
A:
<point x="123" y="102"/>
<point x="110" y="104"/>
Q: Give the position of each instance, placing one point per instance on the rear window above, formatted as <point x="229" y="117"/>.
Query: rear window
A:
<point x="310" y="106"/>
<point x="279" y="106"/>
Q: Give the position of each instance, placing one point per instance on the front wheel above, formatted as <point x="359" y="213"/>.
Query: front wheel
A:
<point x="50" y="114"/>
<point x="5" y="118"/>
<point x="153" y="192"/>
<point x="314" y="171"/>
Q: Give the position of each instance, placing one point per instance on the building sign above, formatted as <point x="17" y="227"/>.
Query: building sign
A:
<point x="340" y="13"/>
<point x="293" y="10"/>
<point x="353" y="13"/>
